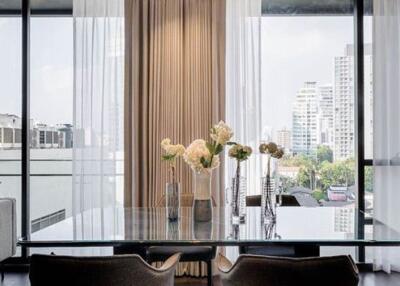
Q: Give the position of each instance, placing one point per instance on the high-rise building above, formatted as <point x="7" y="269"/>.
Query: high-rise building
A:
<point x="368" y="95"/>
<point x="344" y="102"/>
<point x="325" y="115"/>
<point x="344" y="105"/>
<point x="283" y="137"/>
<point x="304" y="120"/>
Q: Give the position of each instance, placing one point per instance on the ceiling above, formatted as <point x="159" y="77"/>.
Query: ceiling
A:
<point x="37" y="6"/>
<point x="269" y="7"/>
<point x="311" y="7"/>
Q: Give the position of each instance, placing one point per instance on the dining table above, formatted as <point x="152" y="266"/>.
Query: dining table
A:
<point x="117" y="226"/>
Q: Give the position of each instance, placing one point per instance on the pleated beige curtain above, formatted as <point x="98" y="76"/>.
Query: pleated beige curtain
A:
<point x="174" y="87"/>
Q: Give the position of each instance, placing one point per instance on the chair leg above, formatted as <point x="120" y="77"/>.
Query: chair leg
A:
<point x="2" y="272"/>
<point x="209" y="273"/>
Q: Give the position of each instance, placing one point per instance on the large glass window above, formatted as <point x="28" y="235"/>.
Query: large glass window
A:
<point x="308" y="105"/>
<point x="10" y="111"/>
<point x="51" y="120"/>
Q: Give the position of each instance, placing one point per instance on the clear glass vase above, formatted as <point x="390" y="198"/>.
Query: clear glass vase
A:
<point x="238" y="203"/>
<point x="268" y="200"/>
<point x="202" y="204"/>
<point x="172" y="198"/>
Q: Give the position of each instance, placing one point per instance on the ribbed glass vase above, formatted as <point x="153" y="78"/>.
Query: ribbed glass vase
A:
<point x="202" y="204"/>
<point x="172" y="198"/>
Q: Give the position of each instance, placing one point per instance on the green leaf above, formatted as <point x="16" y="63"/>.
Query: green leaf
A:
<point x="204" y="162"/>
<point x="218" y="149"/>
<point x="210" y="148"/>
<point x="167" y="157"/>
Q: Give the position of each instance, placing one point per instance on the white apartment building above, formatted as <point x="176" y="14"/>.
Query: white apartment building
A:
<point x="283" y="139"/>
<point x="344" y="103"/>
<point x="41" y="135"/>
<point x="325" y="116"/>
<point x="10" y="131"/>
<point x="368" y="95"/>
<point x="304" y="120"/>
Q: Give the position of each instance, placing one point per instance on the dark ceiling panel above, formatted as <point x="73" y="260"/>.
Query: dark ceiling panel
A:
<point x="311" y="7"/>
<point x="37" y="6"/>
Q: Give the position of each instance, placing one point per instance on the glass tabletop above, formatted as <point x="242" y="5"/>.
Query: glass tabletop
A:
<point x="150" y="226"/>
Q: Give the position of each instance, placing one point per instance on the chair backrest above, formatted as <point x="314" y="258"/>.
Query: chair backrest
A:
<point x="186" y="200"/>
<point x="286" y="201"/>
<point x="8" y="228"/>
<point x="121" y="270"/>
<point x="289" y="201"/>
<point x="253" y="201"/>
<point x="278" y="271"/>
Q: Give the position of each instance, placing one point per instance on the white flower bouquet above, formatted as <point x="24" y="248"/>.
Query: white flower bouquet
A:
<point x="203" y="156"/>
<point x="171" y="153"/>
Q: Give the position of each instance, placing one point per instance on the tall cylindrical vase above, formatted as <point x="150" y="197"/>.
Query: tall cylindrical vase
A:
<point x="202" y="204"/>
<point x="172" y="201"/>
<point x="268" y="201"/>
<point x="238" y="203"/>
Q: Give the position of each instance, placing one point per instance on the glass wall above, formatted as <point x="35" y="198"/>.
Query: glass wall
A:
<point x="308" y="105"/>
<point x="51" y="120"/>
<point x="10" y="111"/>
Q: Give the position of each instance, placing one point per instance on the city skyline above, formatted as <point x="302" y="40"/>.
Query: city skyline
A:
<point x="323" y="114"/>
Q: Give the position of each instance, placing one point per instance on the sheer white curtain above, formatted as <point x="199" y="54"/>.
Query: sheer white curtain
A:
<point x="98" y="113"/>
<point x="243" y="84"/>
<point x="386" y="72"/>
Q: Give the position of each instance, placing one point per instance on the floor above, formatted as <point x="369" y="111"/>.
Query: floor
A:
<point x="367" y="279"/>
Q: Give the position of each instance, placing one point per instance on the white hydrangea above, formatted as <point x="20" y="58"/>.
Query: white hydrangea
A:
<point x="176" y="150"/>
<point x="221" y="133"/>
<point x="193" y="154"/>
<point x="170" y="149"/>
<point x="165" y="142"/>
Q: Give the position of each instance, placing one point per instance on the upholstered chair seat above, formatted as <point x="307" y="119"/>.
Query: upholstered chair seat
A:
<point x="279" y="271"/>
<point x="121" y="270"/>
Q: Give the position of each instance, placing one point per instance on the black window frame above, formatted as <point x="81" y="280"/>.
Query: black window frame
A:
<point x="359" y="10"/>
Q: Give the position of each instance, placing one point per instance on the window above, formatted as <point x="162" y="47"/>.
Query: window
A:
<point x="51" y="120"/>
<point x="10" y="111"/>
<point x="308" y="104"/>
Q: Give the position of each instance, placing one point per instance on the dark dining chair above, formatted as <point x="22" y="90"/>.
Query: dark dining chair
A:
<point x="278" y="271"/>
<point x="121" y="270"/>
<point x="188" y="253"/>
<point x="276" y="250"/>
<point x="286" y="201"/>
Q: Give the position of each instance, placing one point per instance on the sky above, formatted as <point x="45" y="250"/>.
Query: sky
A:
<point x="294" y="50"/>
<point x="51" y="68"/>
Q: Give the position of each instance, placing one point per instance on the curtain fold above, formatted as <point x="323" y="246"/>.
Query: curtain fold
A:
<point x="97" y="117"/>
<point x="243" y="84"/>
<point x="243" y="87"/>
<point x="174" y="87"/>
<point x="386" y="70"/>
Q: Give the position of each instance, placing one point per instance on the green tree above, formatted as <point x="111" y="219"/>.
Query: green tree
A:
<point x="287" y="183"/>
<point x="319" y="195"/>
<point x="369" y="176"/>
<point x="337" y="173"/>
<point x="324" y="153"/>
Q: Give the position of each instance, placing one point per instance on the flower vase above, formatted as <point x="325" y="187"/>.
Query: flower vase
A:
<point x="268" y="201"/>
<point x="238" y="203"/>
<point x="172" y="196"/>
<point x="202" y="204"/>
